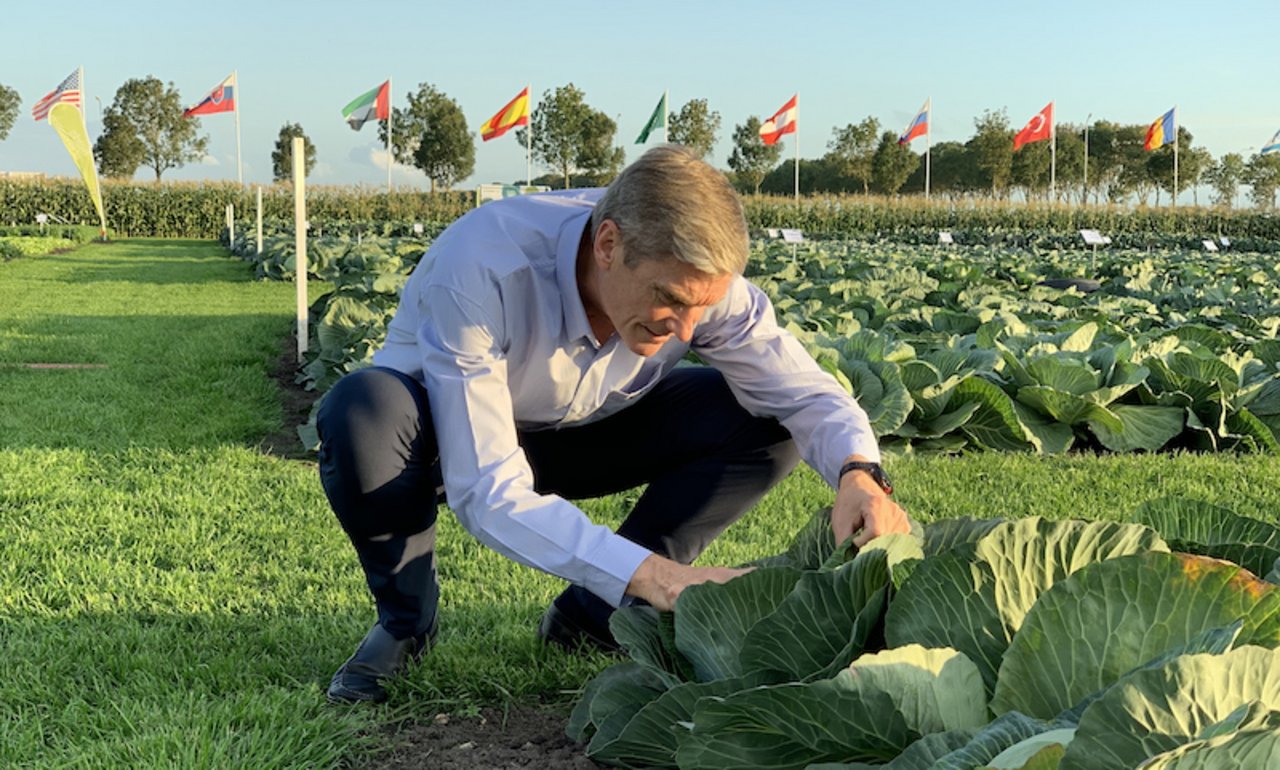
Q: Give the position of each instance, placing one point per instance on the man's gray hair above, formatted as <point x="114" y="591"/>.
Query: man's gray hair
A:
<point x="669" y="203"/>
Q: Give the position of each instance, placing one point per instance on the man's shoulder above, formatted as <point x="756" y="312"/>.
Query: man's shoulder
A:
<point x="533" y="209"/>
<point x="507" y="236"/>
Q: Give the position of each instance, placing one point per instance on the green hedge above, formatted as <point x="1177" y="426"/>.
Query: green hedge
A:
<point x="912" y="220"/>
<point x="197" y="210"/>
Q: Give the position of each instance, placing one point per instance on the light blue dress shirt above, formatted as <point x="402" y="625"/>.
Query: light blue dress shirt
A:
<point x="492" y="324"/>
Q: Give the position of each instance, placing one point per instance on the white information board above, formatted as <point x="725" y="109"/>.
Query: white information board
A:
<point x="1094" y="238"/>
<point x="792" y="236"/>
<point x="1209" y="245"/>
<point x="944" y="237"/>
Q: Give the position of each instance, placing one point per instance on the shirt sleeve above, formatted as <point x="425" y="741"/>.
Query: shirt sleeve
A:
<point x="772" y="375"/>
<point x="486" y="474"/>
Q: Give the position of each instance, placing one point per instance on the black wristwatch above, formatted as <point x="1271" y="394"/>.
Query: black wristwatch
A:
<point x="876" y="472"/>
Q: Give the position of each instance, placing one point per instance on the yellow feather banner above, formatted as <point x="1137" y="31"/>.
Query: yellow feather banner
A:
<point x="67" y="120"/>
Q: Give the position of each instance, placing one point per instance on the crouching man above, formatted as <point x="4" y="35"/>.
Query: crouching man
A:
<point x="533" y="361"/>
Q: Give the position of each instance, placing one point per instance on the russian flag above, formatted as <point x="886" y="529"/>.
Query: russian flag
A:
<point x="221" y="99"/>
<point x="919" y="125"/>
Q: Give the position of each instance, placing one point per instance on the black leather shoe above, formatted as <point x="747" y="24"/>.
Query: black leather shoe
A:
<point x="575" y="631"/>
<point x="380" y="656"/>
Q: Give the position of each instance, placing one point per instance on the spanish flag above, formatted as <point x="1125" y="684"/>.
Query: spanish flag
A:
<point x="1162" y="132"/>
<point x="516" y="113"/>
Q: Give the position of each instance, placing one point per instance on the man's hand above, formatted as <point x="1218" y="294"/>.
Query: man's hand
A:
<point x="659" y="580"/>
<point x="862" y="504"/>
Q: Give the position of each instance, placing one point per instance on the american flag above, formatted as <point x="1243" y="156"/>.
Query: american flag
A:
<point x="67" y="91"/>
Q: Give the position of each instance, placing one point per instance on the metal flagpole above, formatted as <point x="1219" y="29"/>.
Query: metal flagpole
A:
<point x="796" y="118"/>
<point x="528" y="147"/>
<point x="1053" y="155"/>
<point x="235" y="78"/>
<point x="1084" y="189"/>
<point x="928" y="143"/>
<point x="390" y="119"/>
<point x="666" y="116"/>
<point x="1174" y="203"/>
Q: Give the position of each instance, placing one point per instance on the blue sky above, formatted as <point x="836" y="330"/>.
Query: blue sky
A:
<point x="302" y="62"/>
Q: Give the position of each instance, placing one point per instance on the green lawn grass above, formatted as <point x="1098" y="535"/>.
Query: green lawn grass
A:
<point x="170" y="596"/>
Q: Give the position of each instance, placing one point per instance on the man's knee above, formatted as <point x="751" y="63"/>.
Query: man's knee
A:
<point x="374" y="403"/>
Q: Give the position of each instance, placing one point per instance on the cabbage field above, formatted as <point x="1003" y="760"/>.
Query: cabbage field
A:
<point x="948" y="348"/>
<point x="1023" y="643"/>
<point x="969" y="644"/>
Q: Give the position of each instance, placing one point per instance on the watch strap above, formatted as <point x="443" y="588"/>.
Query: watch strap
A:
<point x="873" y="469"/>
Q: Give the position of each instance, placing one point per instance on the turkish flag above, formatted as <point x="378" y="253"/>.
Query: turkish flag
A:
<point x="1037" y="129"/>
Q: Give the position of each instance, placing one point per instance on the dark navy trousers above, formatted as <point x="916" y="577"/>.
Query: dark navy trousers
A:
<point x="706" y="461"/>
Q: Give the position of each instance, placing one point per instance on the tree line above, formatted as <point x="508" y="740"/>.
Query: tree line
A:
<point x="575" y="143"/>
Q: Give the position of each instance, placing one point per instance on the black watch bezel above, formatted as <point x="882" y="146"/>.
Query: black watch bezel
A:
<point x="873" y="469"/>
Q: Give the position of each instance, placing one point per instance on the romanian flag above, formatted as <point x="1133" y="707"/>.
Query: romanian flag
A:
<point x="783" y="122"/>
<point x="1161" y="132"/>
<point x="221" y="99"/>
<point x="515" y="113"/>
<point x="374" y="104"/>
<point x="919" y="125"/>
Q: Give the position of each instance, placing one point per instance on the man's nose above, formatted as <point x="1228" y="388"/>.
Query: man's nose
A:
<point x="682" y="321"/>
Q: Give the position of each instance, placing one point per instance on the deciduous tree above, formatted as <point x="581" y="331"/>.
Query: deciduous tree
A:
<point x="992" y="148"/>
<point x="151" y="111"/>
<point x="1262" y="174"/>
<point x="432" y="135"/>
<point x="569" y="136"/>
<point x="119" y="151"/>
<point x="695" y="126"/>
<point x="752" y="158"/>
<point x="282" y="155"/>
<point x="892" y="164"/>
<point x="9" y="102"/>
<point x="852" y="150"/>
<point x="1224" y="178"/>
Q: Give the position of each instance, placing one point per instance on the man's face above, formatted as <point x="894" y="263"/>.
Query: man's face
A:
<point x="656" y="299"/>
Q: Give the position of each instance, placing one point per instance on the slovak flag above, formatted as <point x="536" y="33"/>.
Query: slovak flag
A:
<point x="1037" y="129"/>
<point x="221" y="99"/>
<point x="782" y="122"/>
<point x="919" y="125"/>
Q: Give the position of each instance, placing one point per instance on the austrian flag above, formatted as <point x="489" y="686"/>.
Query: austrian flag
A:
<point x="782" y="122"/>
<point x="1038" y="129"/>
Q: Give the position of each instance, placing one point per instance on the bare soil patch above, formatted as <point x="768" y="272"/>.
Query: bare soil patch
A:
<point x="296" y="403"/>
<point x="521" y="737"/>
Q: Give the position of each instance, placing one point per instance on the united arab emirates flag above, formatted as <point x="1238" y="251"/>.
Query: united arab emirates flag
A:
<point x="657" y="120"/>
<point x="372" y="105"/>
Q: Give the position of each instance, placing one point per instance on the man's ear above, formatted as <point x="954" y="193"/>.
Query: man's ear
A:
<point x="606" y="248"/>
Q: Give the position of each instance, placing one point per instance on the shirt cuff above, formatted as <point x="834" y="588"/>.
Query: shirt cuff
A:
<point x="611" y="568"/>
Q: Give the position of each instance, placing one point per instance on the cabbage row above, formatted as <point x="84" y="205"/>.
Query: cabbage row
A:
<point x="947" y="349"/>
<point x="950" y="349"/>
<point x="967" y="644"/>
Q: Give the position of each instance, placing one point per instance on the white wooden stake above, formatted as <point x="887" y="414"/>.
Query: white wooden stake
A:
<point x="259" y="188"/>
<point x="300" y="238"/>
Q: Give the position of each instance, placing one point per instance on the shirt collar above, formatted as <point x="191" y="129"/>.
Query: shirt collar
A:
<point x="575" y="314"/>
